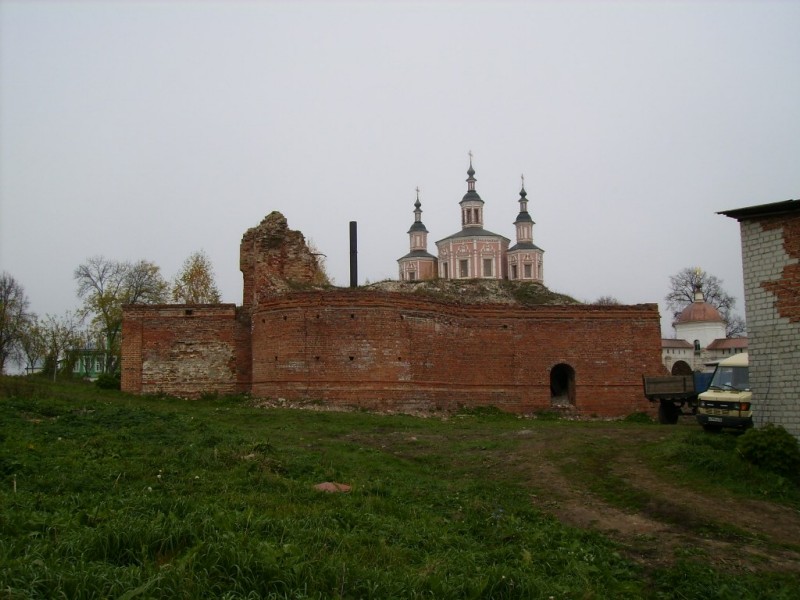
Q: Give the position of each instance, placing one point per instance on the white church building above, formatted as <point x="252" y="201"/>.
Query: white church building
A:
<point x="699" y="339"/>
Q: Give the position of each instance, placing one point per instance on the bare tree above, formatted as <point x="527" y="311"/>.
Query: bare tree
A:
<point x="105" y="286"/>
<point x="13" y="316"/>
<point x="323" y="276"/>
<point x="144" y="283"/>
<point x="682" y="288"/>
<point x="195" y="284"/>
<point x="32" y="344"/>
<point x="607" y="301"/>
<point x="735" y="326"/>
<point x="60" y="336"/>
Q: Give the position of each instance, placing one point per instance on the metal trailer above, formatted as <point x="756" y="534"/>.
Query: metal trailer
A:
<point x="674" y="393"/>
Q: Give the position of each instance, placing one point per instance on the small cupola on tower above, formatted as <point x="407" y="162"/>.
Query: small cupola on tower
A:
<point x="698" y="292"/>
<point x="525" y="259"/>
<point x="418" y="263"/>
<point x="524" y="222"/>
<point x="471" y="203"/>
<point x="418" y="234"/>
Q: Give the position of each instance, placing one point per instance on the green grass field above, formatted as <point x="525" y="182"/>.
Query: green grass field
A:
<point x="106" y="495"/>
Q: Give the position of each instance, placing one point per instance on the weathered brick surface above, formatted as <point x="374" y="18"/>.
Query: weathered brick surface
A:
<point x="384" y="350"/>
<point x="392" y="351"/>
<point x="185" y="350"/>
<point x="395" y="352"/>
<point x="771" y="263"/>
<point x="273" y="257"/>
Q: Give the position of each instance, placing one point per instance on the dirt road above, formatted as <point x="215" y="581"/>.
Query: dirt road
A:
<point x="665" y="520"/>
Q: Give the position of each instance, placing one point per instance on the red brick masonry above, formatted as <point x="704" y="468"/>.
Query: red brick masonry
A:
<point x="785" y="289"/>
<point x="395" y="351"/>
<point x="185" y="350"/>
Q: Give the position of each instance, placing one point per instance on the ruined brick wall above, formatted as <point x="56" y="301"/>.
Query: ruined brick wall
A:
<point x="185" y="350"/>
<point x="273" y="258"/>
<point x="771" y="263"/>
<point x="383" y="350"/>
<point x="395" y="351"/>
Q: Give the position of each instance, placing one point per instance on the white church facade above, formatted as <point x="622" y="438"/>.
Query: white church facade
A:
<point x="699" y="339"/>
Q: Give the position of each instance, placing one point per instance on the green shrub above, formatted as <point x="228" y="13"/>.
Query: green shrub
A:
<point x="108" y="381"/>
<point x="771" y="448"/>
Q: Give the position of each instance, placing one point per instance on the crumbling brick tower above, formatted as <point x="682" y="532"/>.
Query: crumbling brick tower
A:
<point x="274" y="260"/>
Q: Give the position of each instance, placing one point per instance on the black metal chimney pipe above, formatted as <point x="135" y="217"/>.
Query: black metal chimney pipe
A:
<point x="353" y="254"/>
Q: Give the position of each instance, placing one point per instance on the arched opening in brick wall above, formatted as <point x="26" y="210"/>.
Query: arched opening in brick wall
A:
<point x="681" y="368"/>
<point x="562" y="385"/>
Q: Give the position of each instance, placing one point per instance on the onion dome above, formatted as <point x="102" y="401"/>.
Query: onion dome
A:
<point x="523" y="215"/>
<point x="417" y="225"/>
<point x="471" y="195"/>
<point x="699" y="311"/>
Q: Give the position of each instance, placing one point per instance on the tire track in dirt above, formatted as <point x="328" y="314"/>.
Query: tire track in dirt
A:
<point x="730" y="533"/>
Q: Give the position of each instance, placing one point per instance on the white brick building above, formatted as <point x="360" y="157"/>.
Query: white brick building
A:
<point x="771" y="264"/>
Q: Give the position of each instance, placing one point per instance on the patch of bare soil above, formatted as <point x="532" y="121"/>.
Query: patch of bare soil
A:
<point x="728" y="532"/>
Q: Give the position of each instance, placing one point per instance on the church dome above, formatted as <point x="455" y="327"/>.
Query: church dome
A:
<point x="472" y="196"/>
<point x="698" y="312"/>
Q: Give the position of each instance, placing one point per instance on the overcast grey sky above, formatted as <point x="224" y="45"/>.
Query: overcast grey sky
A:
<point x="153" y="129"/>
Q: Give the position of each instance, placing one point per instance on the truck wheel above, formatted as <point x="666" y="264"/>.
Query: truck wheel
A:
<point x="668" y="413"/>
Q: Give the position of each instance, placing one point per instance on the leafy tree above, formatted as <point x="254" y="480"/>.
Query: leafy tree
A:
<point x="32" y="344"/>
<point x="195" y="284"/>
<point x="682" y="287"/>
<point x="61" y="335"/>
<point x="13" y="316"/>
<point x="105" y="286"/>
